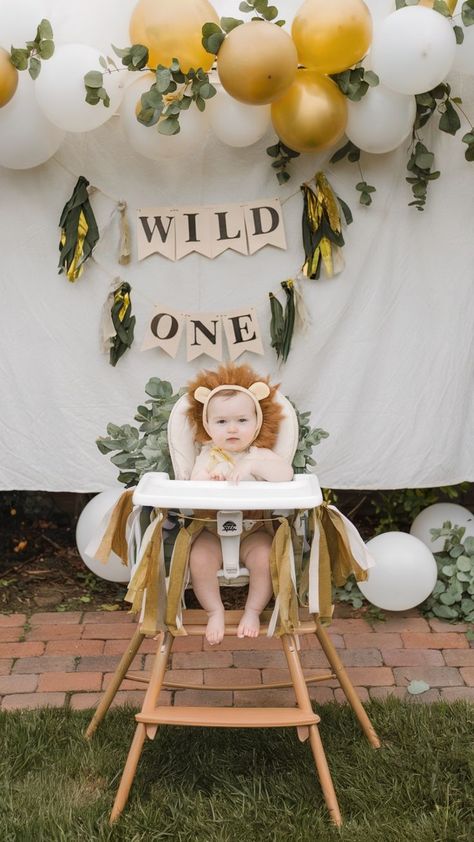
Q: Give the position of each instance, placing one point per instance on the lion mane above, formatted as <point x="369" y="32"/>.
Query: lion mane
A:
<point x="236" y="375"/>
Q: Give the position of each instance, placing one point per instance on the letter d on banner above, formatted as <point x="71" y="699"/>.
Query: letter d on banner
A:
<point x="264" y="223"/>
<point x="164" y="331"/>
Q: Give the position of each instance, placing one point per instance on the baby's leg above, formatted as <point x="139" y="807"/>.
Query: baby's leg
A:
<point x="204" y="561"/>
<point x="255" y="554"/>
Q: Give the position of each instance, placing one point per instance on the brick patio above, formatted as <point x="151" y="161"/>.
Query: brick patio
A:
<point x="67" y="659"/>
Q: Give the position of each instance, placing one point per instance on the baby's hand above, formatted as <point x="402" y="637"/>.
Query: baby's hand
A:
<point x="241" y="472"/>
<point x="218" y="476"/>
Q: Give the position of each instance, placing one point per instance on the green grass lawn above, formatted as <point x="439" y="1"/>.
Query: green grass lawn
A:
<point x="200" y="785"/>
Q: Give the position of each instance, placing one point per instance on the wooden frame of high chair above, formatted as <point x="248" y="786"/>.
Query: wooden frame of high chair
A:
<point x="303" y="718"/>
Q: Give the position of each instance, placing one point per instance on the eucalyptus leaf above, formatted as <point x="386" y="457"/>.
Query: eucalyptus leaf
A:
<point x="94" y="79"/>
<point x="45" y="30"/>
<point x="228" y="24"/>
<point x="46" y="49"/>
<point x="34" y="68"/>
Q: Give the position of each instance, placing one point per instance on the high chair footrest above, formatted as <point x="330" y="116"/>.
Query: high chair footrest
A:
<point x="222" y="717"/>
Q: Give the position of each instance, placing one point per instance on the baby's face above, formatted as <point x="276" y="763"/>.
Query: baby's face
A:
<point x="232" y="421"/>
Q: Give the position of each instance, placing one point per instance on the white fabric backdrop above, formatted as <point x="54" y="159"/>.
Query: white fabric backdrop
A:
<point x="386" y="365"/>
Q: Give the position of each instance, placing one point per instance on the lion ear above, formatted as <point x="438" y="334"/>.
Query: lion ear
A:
<point x="202" y="393"/>
<point x="260" y="390"/>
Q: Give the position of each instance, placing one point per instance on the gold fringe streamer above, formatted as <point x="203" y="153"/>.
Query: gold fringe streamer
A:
<point x="322" y="229"/>
<point x="114" y="538"/>
<point x="79" y="232"/>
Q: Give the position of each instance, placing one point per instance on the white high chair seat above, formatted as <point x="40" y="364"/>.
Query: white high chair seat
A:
<point x="157" y="490"/>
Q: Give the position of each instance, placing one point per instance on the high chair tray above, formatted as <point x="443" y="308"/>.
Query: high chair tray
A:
<point x="158" y="490"/>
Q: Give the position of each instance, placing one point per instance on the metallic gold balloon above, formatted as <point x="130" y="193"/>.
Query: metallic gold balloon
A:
<point x="173" y="29"/>
<point x="332" y="35"/>
<point x="257" y="62"/>
<point x="8" y="78"/>
<point x="312" y="114"/>
<point x="451" y="4"/>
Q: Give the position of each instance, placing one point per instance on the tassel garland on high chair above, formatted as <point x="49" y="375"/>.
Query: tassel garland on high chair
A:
<point x="79" y="231"/>
<point x="322" y="228"/>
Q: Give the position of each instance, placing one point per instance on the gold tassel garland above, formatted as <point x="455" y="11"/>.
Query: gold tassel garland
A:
<point x="124" y="244"/>
<point x="123" y="322"/>
<point x="322" y="228"/>
<point x="79" y="232"/>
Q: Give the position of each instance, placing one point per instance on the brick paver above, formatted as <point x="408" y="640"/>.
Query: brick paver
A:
<point x="67" y="659"/>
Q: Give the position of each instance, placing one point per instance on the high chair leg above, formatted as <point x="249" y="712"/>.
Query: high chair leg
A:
<point x="115" y="683"/>
<point x="304" y="703"/>
<point x="151" y="697"/>
<point x="346" y="685"/>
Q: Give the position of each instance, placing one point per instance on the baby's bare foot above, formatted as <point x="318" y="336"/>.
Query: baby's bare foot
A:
<point x="215" y="626"/>
<point x="249" y="625"/>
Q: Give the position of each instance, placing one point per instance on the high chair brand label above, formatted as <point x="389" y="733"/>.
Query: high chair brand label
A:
<point x="229" y="523"/>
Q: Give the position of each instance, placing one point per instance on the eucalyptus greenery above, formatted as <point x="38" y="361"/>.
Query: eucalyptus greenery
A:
<point x="355" y="83"/>
<point x="453" y="594"/>
<point x="29" y="57"/>
<point x="172" y="91"/>
<point x="138" y="450"/>
<point x="282" y="155"/>
<point x="213" y="35"/>
<point x="352" y="152"/>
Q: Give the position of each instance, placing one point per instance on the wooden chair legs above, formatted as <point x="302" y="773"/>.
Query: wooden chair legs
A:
<point x="115" y="683"/>
<point x="149" y="705"/>
<point x="346" y="685"/>
<point x="304" y="703"/>
<point x="302" y="718"/>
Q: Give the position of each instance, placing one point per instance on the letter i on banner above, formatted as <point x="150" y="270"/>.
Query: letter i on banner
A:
<point x="156" y="232"/>
<point x="164" y="331"/>
<point x="242" y="332"/>
<point x="203" y="336"/>
<point x="264" y="221"/>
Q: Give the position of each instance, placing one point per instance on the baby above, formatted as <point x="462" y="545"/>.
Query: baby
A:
<point x="235" y="424"/>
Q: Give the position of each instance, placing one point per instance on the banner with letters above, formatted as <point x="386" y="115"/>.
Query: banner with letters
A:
<point x="210" y="230"/>
<point x="204" y="333"/>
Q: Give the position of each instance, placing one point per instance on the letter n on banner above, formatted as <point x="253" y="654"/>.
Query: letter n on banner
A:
<point x="242" y="332"/>
<point x="156" y="232"/>
<point x="264" y="221"/>
<point x="203" y="336"/>
<point x="164" y="331"/>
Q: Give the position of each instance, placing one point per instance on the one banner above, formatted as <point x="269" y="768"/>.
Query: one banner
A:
<point x="210" y="230"/>
<point x="164" y="331"/>
<point x="203" y="336"/>
<point x="242" y="332"/>
<point x="204" y="333"/>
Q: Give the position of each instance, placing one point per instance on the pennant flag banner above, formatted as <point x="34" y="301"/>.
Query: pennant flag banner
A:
<point x="210" y="230"/>
<point x="204" y="333"/>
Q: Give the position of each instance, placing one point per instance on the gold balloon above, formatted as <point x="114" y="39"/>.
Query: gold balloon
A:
<point x="312" y="114"/>
<point x="451" y="4"/>
<point x="173" y="29"/>
<point x="332" y="35"/>
<point x="8" y="78"/>
<point x="257" y="62"/>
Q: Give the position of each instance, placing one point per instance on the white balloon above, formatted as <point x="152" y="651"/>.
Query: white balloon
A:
<point x="235" y="123"/>
<point x="99" y="24"/>
<point x="146" y="140"/>
<point x="464" y="57"/>
<point x="61" y="93"/>
<point x="434" y="516"/>
<point x="27" y="138"/>
<point x="413" y="50"/>
<point x="381" y="120"/>
<point x="91" y="521"/>
<point x="19" y="20"/>
<point x="404" y="575"/>
<point x="379" y="10"/>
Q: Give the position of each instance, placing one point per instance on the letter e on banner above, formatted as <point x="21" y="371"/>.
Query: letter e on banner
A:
<point x="203" y="336"/>
<point x="164" y="331"/>
<point x="156" y="232"/>
<point x="264" y="221"/>
<point x="242" y="332"/>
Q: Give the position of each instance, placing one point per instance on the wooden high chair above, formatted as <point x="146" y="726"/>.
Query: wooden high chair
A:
<point x="159" y="491"/>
